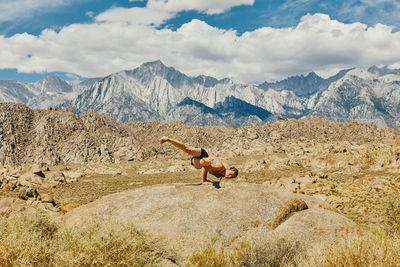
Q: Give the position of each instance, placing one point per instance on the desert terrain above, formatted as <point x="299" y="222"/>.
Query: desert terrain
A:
<point x="344" y="178"/>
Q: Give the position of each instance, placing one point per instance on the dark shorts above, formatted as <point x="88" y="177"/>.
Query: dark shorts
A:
<point x="203" y="154"/>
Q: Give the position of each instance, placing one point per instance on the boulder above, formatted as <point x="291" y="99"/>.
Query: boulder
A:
<point x="190" y="216"/>
<point x="124" y="154"/>
<point x="46" y="198"/>
<point x="9" y="204"/>
<point x="26" y="193"/>
<point x="30" y="177"/>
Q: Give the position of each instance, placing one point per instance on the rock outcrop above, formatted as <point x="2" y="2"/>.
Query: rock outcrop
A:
<point x="190" y="216"/>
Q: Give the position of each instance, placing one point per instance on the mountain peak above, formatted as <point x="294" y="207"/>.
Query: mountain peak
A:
<point x="207" y="81"/>
<point x="300" y="85"/>
<point x="147" y="71"/>
<point x="313" y="75"/>
<point x="231" y="80"/>
<point x="54" y="84"/>
<point x="157" y="64"/>
<point x="373" y="69"/>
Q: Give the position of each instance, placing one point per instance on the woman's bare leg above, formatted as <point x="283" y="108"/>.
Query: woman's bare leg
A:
<point x="194" y="151"/>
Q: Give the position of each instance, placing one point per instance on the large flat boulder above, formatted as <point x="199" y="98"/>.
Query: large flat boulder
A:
<point x="190" y="216"/>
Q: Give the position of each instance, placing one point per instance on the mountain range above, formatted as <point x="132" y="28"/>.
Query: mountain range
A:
<point x="155" y="92"/>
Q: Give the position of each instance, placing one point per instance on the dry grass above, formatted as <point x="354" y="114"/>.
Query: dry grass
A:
<point x="36" y="240"/>
<point x="268" y="251"/>
<point x="381" y="248"/>
<point x="355" y="251"/>
<point x="286" y="210"/>
<point x="213" y="257"/>
<point x="391" y="216"/>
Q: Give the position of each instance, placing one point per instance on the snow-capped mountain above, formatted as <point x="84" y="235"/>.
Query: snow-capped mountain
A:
<point x="50" y="91"/>
<point x="155" y="92"/>
<point x="303" y="86"/>
<point x="14" y="91"/>
<point x="361" y="95"/>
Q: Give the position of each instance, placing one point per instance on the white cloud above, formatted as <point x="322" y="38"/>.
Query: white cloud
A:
<point x="136" y="15"/>
<point x="317" y="43"/>
<point x="373" y="3"/>
<point x="157" y="12"/>
<point x="206" y="6"/>
<point x="75" y="79"/>
<point x="16" y="9"/>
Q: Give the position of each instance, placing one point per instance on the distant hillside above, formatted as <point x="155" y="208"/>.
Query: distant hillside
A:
<point x="53" y="136"/>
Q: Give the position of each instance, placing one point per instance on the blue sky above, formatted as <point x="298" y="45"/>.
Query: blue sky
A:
<point x="253" y="40"/>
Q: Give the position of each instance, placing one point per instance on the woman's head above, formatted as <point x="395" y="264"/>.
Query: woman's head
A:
<point x="231" y="173"/>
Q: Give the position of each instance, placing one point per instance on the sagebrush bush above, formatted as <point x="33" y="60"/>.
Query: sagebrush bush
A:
<point x="36" y="240"/>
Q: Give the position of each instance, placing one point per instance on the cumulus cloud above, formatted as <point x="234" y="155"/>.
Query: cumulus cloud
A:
<point x="157" y="12"/>
<point x="316" y="43"/>
<point x="15" y="9"/>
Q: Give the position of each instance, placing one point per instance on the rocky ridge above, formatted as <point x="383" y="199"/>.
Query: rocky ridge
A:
<point x="54" y="136"/>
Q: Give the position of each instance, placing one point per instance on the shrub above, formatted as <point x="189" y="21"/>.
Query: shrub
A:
<point x="26" y="240"/>
<point x="36" y="240"/>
